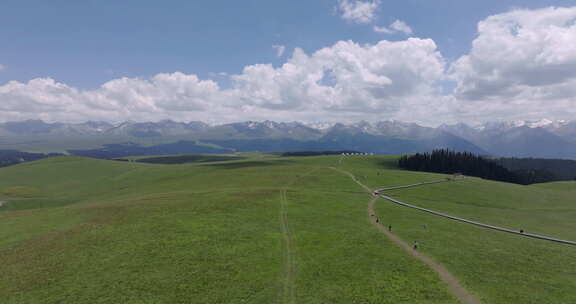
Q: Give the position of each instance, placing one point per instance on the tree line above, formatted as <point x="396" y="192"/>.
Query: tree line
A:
<point x="13" y="157"/>
<point x="539" y="170"/>
<point x="451" y="162"/>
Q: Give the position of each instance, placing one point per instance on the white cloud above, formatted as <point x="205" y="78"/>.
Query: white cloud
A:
<point x="280" y="49"/>
<point x="395" y="27"/>
<point x="162" y="96"/>
<point x="355" y="11"/>
<point x="522" y="63"/>
<point x="38" y="95"/>
<point x="382" y="29"/>
<point x="346" y="77"/>
<point x="218" y="74"/>
<point x="519" y="51"/>
<point x="343" y="81"/>
<point x="402" y="27"/>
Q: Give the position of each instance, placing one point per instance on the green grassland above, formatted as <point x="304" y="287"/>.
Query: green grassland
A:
<point x="81" y="230"/>
<point x="500" y="267"/>
<point x="78" y="230"/>
<point x="560" y="186"/>
<point x="185" y="159"/>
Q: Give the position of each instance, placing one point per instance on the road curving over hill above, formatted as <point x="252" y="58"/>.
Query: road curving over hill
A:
<point x="454" y="285"/>
<point x="380" y="194"/>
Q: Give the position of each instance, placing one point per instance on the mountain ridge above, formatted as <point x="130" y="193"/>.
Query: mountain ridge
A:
<point x="543" y="138"/>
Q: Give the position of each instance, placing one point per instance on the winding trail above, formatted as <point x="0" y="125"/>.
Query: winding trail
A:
<point x="288" y="294"/>
<point x="454" y="285"/>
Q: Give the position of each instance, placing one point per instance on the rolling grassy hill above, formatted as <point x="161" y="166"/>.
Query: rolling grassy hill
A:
<point x="269" y="230"/>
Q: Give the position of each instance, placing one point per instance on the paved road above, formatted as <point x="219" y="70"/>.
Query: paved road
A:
<point x="410" y="186"/>
<point x="526" y="234"/>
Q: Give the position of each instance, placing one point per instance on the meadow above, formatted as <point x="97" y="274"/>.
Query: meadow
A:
<point x="497" y="266"/>
<point x="270" y="229"/>
<point x="80" y="230"/>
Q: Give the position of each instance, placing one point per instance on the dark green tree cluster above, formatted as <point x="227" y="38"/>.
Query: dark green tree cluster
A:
<point x="13" y="157"/>
<point x="539" y="170"/>
<point x="450" y="162"/>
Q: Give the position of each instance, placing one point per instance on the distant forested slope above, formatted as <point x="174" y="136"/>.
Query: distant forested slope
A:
<point x="131" y="149"/>
<point x="539" y="170"/>
<point x="449" y="162"/>
<point x="12" y="157"/>
<point x="523" y="171"/>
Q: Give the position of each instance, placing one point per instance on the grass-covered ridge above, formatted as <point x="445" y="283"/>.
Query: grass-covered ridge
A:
<point x="533" y="271"/>
<point x="78" y="230"/>
<point x="142" y="233"/>
<point x="185" y="159"/>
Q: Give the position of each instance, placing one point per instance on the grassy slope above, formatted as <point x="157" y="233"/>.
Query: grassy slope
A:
<point x="111" y="232"/>
<point x="92" y="231"/>
<point x="501" y="268"/>
<point x="560" y="186"/>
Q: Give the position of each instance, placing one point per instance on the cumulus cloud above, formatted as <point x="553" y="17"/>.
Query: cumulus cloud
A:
<point x="522" y="65"/>
<point x="175" y="92"/>
<point x="162" y="96"/>
<point x="395" y="27"/>
<point x="344" y="80"/>
<point x="355" y="11"/>
<point x="38" y="95"/>
<point x="280" y="49"/>
<point x="523" y="53"/>
<point x="346" y="77"/>
<point x="522" y="61"/>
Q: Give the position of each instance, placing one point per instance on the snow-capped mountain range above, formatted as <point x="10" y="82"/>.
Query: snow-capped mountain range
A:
<point x="543" y="138"/>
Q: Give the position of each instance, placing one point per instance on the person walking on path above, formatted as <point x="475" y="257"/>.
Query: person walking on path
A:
<point x="415" y="245"/>
<point x="390" y="228"/>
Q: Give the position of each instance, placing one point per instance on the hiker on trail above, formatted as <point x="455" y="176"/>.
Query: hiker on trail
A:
<point x="377" y="220"/>
<point x="521" y="230"/>
<point x="390" y="228"/>
<point x="415" y="245"/>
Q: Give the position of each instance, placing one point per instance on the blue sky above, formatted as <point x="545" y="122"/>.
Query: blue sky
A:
<point x="85" y="44"/>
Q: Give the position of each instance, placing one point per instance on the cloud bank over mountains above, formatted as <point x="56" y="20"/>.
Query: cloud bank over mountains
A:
<point x="522" y="65"/>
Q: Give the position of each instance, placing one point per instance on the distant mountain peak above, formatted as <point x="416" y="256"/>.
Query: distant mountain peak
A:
<point x="536" y="138"/>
